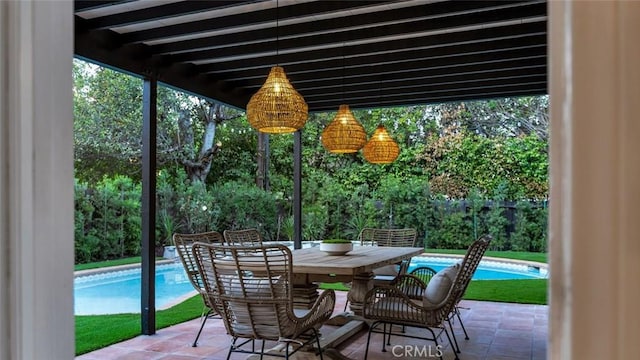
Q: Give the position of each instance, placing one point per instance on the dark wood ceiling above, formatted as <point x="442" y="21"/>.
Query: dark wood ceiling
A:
<point x="366" y="54"/>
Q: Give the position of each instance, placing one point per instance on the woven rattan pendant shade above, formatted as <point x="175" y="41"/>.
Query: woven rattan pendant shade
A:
<point x="344" y="134"/>
<point x="277" y="107"/>
<point x="381" y="148"/>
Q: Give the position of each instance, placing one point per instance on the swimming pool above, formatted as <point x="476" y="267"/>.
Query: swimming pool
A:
<point x="119" y="291"/>
<point x="487" y="269"/>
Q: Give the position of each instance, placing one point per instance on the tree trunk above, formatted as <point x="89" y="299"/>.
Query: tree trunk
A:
<point x="262" y="174"/>
<point x="198" y="168"/>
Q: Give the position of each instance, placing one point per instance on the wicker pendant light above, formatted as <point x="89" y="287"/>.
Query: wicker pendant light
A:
<point x="344" y="134"/>
<point x="381" y="148"/>
<point x="277" y="107"/>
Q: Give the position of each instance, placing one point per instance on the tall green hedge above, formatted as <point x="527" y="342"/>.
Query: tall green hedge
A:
<point x="108" y="215"/>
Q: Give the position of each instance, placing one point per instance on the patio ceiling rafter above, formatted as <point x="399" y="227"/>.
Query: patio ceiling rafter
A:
<point x="391" y="53"/>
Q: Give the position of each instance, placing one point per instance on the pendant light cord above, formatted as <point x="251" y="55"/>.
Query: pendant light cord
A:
<point x="343" y="73"/>
<point x="278" y="32"/>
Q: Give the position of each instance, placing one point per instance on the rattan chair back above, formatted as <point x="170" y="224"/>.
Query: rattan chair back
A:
<point x="184" y="243"/>
<point x="252" y="286"/>
<point x="243" y="237"/>
<point x="388" y="237"/>
<point x="469" y="265"/>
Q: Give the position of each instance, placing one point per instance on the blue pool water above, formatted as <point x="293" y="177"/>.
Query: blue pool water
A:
<point x="119" y="291"/>
<point x="487" y="270"/>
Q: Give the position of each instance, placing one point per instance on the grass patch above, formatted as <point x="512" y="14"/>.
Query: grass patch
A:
<point x="107" y="263"/>
<point x="334" y="286"/>
<point x="97" y="331"/>
<point x="530" y="291"/>
<point x="515" y="255"/>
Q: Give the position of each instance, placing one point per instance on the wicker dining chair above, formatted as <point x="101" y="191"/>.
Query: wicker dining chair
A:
<point x="394" y="305"/>
<point x="389" y="237"/>
<point x="243" y="237"/>
<point x="482" y="245"/>
<point x="183" y="243"/>
<point x="252" y="288"/>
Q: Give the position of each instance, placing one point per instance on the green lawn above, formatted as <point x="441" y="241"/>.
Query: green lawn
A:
<point x="516" y="255"/>
<point x="531" y="291"/>
<point x="108" y="263"/>
<point x="94" y="332"/>
<point x="97" y="331"/>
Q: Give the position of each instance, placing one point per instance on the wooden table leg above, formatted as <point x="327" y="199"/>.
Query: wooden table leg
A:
<point x="305" y="292"/>
<point x="360" y="285"/>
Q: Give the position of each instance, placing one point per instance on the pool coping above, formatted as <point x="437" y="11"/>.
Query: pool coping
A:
<point x="542" y="268"/>
<point x="536" y="264"/>
<point x="106" y="269"/>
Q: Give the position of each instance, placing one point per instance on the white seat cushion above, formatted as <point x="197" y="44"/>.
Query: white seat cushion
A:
<point x="387" y="270"/>
<point x="439" y="285"/>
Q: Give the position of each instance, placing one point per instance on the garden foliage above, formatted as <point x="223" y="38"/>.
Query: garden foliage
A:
<point x="465" y="169"/>
<point x="108" y="216"/>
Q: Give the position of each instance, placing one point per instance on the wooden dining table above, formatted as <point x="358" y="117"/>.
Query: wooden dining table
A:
<point x="312" y="266"/>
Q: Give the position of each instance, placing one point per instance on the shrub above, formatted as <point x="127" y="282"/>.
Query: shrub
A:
<point x="314" y="222"/>
<point x="107" y="218"/>
<point x="530" y="229"/>
<point x="244" y="206"/>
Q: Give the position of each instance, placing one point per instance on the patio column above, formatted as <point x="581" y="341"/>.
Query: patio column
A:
<point x="36" y="180"/>
<point x="595" y="180"/>
<point x="297" y="189"/>
<point x="148" y="273"/>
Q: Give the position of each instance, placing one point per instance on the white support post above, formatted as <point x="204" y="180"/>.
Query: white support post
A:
<point x="36" y="180"/>
<point x="595" y="180"/>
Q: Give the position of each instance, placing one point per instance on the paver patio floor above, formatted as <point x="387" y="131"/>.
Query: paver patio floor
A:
<point x="497" y="331"/>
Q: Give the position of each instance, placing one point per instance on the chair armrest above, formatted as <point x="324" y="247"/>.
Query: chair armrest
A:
<point x="388" y="303"/>
<point x="320" y="311"/>
<point x="410" y="285"/>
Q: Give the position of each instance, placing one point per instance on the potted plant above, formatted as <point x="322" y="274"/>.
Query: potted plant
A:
<point x="336" y="246"/>
<point x="168" y="227"/>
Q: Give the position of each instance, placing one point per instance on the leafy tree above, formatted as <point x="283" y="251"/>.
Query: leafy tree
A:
<point x="192" y="144"/>
<point x="510" y="117"/>
<point x="108" y="126"/>
<point x="459" y="161"/>
<point x="107" y="122"/>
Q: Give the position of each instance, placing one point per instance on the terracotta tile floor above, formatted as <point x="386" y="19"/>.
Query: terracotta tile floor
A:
<point x="497" y="331"/>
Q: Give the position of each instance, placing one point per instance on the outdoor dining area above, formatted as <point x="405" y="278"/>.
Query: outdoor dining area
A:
<point x="268" y="295"/>
<point x="264" y="298"/>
